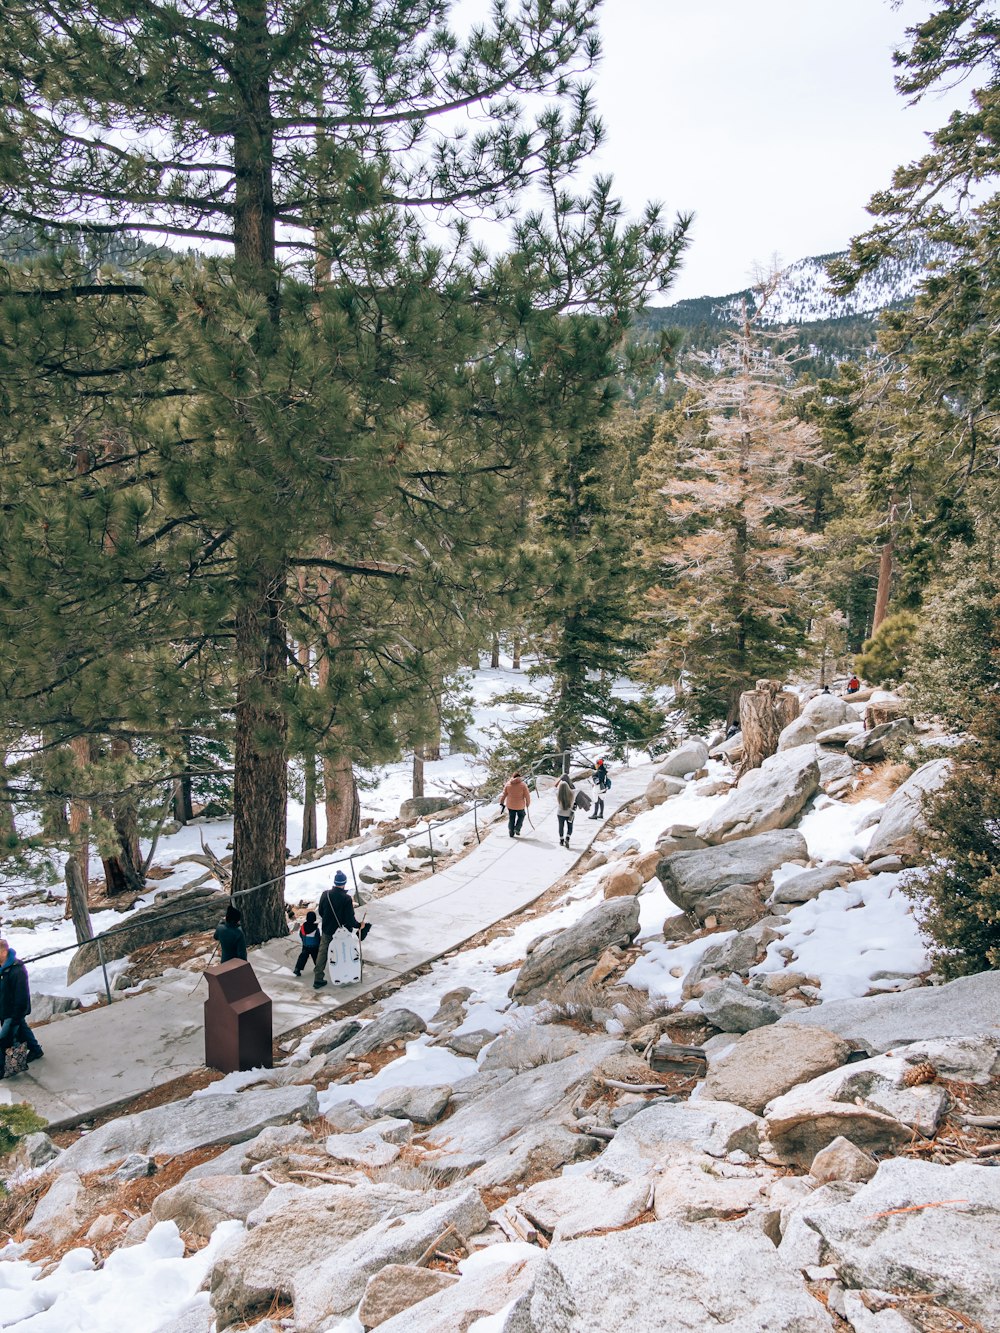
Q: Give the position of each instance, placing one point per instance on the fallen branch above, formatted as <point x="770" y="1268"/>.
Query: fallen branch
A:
<point x="323" y="1175"/>
<point x="631" y="1087"/>
<point x="982" y="1121"/>
<point x="914" y="1208"/>
<point x="270" y="1179"/>
<point x="597" y="1132"/>
<point x="428" y="1254"/>
<point x="988" y="1150"/>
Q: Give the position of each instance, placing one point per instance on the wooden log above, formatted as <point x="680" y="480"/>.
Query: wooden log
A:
<point x="983" y="1121"/>
<point x="428" y="1254"/>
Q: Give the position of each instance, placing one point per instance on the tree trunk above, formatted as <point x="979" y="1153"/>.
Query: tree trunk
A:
<point x="495" y="653"/>
<point x="516" y="655"/>
<point x="418" y="772"/>
<point x="183" y="811"/>
<point x="8" y="829"/>
<point x="76" y="901"/>
<point x="343" y="805"/>
<point x="260" y="782"/>
<point x="310" y="831"/>
<point x="764" y="714"/>
<point x="79" y="814"/>
<point x="885" y="564"/>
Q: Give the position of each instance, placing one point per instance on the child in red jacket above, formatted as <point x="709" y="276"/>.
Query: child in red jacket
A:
<point x="309" y="939"/>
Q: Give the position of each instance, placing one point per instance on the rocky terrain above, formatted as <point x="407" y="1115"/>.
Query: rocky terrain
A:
<point x="708" y="1084"/>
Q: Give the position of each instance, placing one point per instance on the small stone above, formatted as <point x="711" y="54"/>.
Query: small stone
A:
<point x="135" y="1166"/>
<point x="842" y="1160"/>
<point x="102" y="1226"/>
<point x="396" y="1287"/>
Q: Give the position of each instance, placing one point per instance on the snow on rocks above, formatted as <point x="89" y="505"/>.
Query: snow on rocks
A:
<point x="802" y="888"/>
<point x="765" y="798"/>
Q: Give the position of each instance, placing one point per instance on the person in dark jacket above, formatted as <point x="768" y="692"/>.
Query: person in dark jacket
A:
<point x="15" y="1006"/>
<point x="229" y="934"/>
<point x="336" y="912"/>
<point x="602" y="782"/>
<point x="309" y="936"/>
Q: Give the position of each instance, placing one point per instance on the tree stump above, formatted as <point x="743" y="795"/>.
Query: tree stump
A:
<point x="889" y="711"/>
<point x="764" y="714"/>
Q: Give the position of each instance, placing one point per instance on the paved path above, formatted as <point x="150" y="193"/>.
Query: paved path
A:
<point x="101" y="1059"/>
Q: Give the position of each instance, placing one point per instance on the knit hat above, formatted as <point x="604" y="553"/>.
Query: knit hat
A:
<point x="233" y="915"/>
<point x="310" y="918"/>
<point x="340" y="879"/>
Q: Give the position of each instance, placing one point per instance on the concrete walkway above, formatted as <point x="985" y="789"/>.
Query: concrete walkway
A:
<point x="106" y="1057"/>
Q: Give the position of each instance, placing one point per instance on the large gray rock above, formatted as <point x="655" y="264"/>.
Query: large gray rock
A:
<point x="61" y="1211"/>
<point x="571" y="1206"/>
<point x="648" y="1139"/>
<point x="536" y="1152"/>
<point x="662" y="788"/>
<point x="672" y="1276"/>
<point x="198" y="1206"/>
<point x="531" y="1045"/>
<point x="567" y="953"/>
<point x="966" y="1007"/>
<point x="197" y="1122"/>
<point x="735" y="953"/>
<point x="480" y="1128"/>
<point x="693" y="879"/>
<point x="297" y="1229"/>
<point x="770" y="797"/>
<point x="735" y="1008"/>
<point x="687" y="758"/>
<point x="769" y="1061"/>
<point x="811" y="883"/>
<point x="694" y="1188"/>
<point x="840" y="735"/>
<point x="396" y="1288"/>
<point x="418" y="806"/>
<point x="870" y="746"/>
<point x="947" y="1251"/>
<point x="393" y="1025"/>
<point x="424" y="1106"/>
<point x="820" y="714"/>
<point x="900" y="829"/>
<point x="879" y="1084"/>
<point x="487" y="1290"/>
<point x="335" y="1285"/>
<point x="170" y="916"/>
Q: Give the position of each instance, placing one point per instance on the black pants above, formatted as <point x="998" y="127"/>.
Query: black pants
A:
<point x="14" y="1030"/>
<point x="308" y="952"/>
<point x="515" y="818"/>
<point x="565" y="827"/>
<point x="598" y="811"/>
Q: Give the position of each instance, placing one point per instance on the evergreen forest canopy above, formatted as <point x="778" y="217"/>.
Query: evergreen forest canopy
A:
<point x="274" y="464"/>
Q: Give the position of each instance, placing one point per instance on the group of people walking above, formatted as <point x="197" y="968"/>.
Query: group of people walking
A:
<point x="516" y="798"/>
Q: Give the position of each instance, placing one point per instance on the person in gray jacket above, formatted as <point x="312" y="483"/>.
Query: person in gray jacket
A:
<point x="565" y="807"/>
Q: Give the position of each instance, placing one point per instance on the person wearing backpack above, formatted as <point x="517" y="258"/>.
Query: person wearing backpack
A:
<point x="309" y="937"/>
<point x="15" y="1006"/>
<point x="336" y="912"/>
<point x="602" y="782"/>
<point x="565" y="808"/>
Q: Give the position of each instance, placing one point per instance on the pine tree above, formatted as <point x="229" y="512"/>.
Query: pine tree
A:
<point x="726" y="536"/>
<point x="373" y="430"/>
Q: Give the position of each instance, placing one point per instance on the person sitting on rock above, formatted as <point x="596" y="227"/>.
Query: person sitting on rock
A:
<point x="229" y="936"/>
<point x="336" y="912"/>
<point x="515" y="798"/>
<point x="853" y="685"/>
<point x="565" y="807"/>
<point x="15" y="1006"/>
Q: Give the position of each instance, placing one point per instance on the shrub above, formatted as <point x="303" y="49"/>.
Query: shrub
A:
<point x="883" y="657"/>
<point x="959" y="898"/>
<point x="15" y="1122"/>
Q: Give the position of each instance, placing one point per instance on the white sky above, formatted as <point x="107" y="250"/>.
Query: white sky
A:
<point x="773" y="120"/>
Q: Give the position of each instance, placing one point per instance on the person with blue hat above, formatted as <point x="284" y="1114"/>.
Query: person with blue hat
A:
<point x="336" y="912"/>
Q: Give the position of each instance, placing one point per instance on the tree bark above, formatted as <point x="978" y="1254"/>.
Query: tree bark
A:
<point x="343" y="805"/>
<point x="764" y="714"/>
<point x="418" y="771"/>
<point x="495" y="653"/>
<point x="260" y="782"/>
<point x="310" y="831"/>
<point x="885" y="565"/>
<point x="516" y="655"/>
<point x="183" y="811"/>
<point x="76" y="901"/>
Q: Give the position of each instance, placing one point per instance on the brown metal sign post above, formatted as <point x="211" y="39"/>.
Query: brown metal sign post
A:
<point x="237" y="1019"/>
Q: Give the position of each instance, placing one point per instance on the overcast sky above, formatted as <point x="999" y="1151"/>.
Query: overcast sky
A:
<point x="773" y="120"/>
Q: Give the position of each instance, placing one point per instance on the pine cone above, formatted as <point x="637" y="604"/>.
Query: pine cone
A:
<point x="922" y="1073"/>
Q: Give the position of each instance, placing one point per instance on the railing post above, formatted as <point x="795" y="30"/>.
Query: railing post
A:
<point x="104" y="969"/>
<point x="475" y="818"/>
<point x="357" y="887"/>
<point x="430" y="844"/>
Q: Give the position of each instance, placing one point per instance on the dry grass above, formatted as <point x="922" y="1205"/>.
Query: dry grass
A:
<point x="879" y="784"/>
